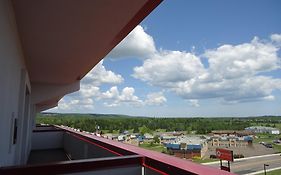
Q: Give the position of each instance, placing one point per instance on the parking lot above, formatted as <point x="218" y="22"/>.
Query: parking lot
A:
<point x="255" y="150"/>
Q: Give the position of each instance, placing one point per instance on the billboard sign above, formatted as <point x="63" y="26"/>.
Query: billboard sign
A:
<point x="224" y="154"/>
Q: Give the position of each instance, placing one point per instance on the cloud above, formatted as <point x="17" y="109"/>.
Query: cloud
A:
<point x="137" y="44"/>
<point x="276" y="38"/>
<point x="127" y="96"/>
<point x="73" y="105"/>
<point x="89" y="89"/>
<point x="156" y="98"/>
<point x="194" y="103"/>
<point x="99" y="75"/>
<point x="234" y="72"/>
<point x="230" y="61"/>
<point x="168" y="68"/>
<point x="114" y="98"/>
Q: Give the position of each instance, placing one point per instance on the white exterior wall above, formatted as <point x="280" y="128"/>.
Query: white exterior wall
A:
<point x="13" y="83"/>
<point x="275" y="132"/>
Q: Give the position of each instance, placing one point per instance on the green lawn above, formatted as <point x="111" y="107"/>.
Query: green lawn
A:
<point x="199" y="160"/>
<point x="153" y="147"/>
<point x="276" y="172"/>
<point x="278" y="125"/>
<point x="160" y="130"/>
<point x="277" y="148"/>
<point x="268" y="138"/>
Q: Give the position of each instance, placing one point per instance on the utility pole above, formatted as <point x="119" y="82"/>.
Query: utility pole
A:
<point x="264" y="168"/>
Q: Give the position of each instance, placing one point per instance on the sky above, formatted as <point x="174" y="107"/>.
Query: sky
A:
<point x="190" y="59"/>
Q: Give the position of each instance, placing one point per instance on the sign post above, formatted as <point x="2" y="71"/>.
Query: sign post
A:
<point x="265" y="165"/>
<point x="224" y="154"/>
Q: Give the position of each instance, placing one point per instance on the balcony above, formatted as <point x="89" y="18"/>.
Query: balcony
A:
<point x="63" y="150"/>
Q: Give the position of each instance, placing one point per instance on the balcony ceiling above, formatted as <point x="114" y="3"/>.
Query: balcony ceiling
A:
<point x="64" y="39"/>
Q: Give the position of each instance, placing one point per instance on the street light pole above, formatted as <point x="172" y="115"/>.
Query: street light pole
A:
<point x="264" y="168"/>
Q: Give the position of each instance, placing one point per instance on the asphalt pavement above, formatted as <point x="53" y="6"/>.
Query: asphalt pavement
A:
<point x="254" y="164"/>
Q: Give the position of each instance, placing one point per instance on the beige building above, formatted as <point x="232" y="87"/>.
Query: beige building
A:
<point x="230" y="141"/>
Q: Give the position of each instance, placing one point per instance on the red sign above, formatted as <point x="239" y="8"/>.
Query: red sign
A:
<point x="224" y="154"/>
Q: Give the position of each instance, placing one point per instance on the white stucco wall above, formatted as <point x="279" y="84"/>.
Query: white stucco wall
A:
<point x="11" y="66"/>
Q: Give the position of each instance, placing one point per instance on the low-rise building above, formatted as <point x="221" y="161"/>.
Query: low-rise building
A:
<point x="187" y="147"/>
<point x="229" y="141"/>
<point x="238" y="133"/>
<point x="263" y="129"/>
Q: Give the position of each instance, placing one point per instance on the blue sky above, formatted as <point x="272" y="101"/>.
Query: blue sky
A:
<point x="189" y="59"/>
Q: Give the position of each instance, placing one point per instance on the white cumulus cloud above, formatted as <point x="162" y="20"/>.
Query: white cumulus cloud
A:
<point x="115" y="98"/>
<point x="230" y="61"/>
<point x="276" y="38"/>
<point x="127" y="96"/>
<point x="194" y="103"/>
<point x="99" y="75"/>
<point x="156" y="98"/>
<point x="168" y="68"/>
<point x="137" y="44"/>
<point x="74" y="105"/>
<point x="234" y="72"/>
<point x="89" y="89"/>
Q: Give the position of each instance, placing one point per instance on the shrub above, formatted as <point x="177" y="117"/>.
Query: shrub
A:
<point x="238" y="156"/>
<point x="212" y="156"/>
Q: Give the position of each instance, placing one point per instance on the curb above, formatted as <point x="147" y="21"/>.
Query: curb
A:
<point x="262" y="171"/>
<point x="241" y="159"/>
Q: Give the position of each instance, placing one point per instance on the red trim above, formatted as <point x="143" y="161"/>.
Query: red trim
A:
<point x="66" y="167"/>
<point x="168" y="164"/>
<point x="88" y="141"/>
<point x="154" y="169"/>
<point x="48" y="130"/>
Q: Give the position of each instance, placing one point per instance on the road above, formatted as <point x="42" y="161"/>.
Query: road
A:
<point x="251" y="165"/>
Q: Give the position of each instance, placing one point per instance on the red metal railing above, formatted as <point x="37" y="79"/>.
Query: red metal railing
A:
<point x="161" y="163"/>
<point x="74" y="166"/>
<point x="126" y="155"/>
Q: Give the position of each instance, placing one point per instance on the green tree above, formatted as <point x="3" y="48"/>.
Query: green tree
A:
<point x="144" y="130"/>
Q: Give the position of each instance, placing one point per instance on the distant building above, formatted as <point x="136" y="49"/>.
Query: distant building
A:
<point x="187" y="147"/>
<point x="148" y="136"/>
<point x="238" y="133"/>
<point x="122" y="138"/>
<point x="229" y="141"/>
<point x="263" y="129"/>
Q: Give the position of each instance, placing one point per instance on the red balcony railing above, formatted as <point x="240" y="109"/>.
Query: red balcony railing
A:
<point x="101" y="154"/>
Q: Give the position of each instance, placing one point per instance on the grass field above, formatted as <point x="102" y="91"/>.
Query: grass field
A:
<point x="153" y="147"/>
<point x="199" y="160"/>
<point x="160" y="148"/>
<point x="276" y="172"/>
<point x="268" y="138"/>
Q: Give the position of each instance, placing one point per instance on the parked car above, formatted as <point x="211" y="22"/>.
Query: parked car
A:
<point x="276" y="141"/>
<point x="268" y="145"/>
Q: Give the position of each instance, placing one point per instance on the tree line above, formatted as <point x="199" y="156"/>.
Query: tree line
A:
<point x="89" y="122"/>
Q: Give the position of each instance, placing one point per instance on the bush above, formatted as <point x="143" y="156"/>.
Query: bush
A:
<point x="212" y="156"/>
<point x="238" y="156"/>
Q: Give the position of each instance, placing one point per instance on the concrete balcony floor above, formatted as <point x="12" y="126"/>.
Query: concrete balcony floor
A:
<point x="47" y="156"/>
